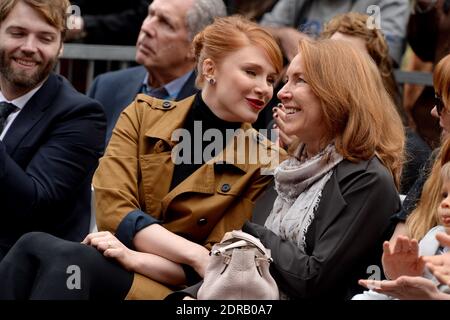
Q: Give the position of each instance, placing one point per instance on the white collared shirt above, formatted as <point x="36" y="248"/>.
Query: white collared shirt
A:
<point x="19" y="102"/>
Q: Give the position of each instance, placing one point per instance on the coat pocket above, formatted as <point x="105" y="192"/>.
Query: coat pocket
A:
<point x="156" y="176"/>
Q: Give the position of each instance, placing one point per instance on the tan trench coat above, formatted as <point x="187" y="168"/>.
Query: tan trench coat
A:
<point x="136" y="173"/>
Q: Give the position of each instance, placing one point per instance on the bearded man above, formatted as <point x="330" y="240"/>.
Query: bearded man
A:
<point x="51" y="136"/>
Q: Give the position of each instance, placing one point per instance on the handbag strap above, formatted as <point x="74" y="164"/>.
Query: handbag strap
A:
<point x="236" y="244"/>
<point x="249" y="238"/>
<point x="243" y="236"/>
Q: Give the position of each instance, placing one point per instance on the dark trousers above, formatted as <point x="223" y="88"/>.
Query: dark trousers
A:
<point x="41" y="266"/>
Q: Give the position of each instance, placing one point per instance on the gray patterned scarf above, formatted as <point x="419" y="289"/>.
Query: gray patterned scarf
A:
<point x="299" y="185"/>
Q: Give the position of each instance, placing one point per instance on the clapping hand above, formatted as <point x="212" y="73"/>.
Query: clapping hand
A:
<point x="406" y="288"/>
<point x="401" y="258"/>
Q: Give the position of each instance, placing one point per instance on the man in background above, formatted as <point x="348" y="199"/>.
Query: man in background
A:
<point x="164" y="53"/>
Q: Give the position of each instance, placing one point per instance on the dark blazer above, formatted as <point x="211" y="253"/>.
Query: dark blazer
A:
<point x="47" y="159"/>
<point x="117" y="89"/>
<point x="344" y="239"/>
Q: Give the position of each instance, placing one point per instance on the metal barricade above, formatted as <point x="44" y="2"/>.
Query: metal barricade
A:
<point x="123" y="56"/>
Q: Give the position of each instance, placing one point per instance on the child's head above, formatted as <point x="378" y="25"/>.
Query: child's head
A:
<point x="426" y="216"/>
<point x="444" y="206"/>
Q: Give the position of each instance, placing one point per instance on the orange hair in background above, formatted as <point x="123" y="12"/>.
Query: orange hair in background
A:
<point x="355" y="24"/>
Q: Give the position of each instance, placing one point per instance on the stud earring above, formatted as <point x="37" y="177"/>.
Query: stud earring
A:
<point x="212" y="81"/>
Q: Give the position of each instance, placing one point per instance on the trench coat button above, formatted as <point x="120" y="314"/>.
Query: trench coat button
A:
<point x="202" y="221"/>
<point x="225" y="187"/>
<point x="166" y="104"/>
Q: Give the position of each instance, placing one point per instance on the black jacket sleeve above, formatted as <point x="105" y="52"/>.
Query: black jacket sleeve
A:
<point x="57" y="168"/>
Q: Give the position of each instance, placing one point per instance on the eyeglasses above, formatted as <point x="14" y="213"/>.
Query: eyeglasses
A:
<point x="438" y="103"/>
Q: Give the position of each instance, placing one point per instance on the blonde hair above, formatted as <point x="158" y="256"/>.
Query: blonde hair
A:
<point x="445" y="172"/>
<point x="229" y="34"/>
<point x="358" y="113"/>
<point x="445" y="178"/>
<point x="53" y="11"/>
<point x="424" y="216"/>
<point x="355" y="24"/>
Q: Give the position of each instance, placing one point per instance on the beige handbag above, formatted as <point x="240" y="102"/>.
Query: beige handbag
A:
<point x="238" y="270"/>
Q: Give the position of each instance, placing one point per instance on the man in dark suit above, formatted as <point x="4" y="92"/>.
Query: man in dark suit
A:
<point x="164" y="51"/>
<point x="50" y="135"/>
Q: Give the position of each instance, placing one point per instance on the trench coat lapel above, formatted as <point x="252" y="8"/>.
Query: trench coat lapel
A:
<point x="203" y="179"/>
<point x="170" y="121"/>
<point x="31" y="113"/>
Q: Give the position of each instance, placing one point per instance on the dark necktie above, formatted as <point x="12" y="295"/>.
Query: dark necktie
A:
<point x="5" y="110"/>
<point x="160" y="93"/>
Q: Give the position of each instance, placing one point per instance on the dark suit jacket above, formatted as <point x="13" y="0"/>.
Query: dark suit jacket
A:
<point x="344" y="239"/>
<point x="47" y="159"/>
<point x="117" y="89"/>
